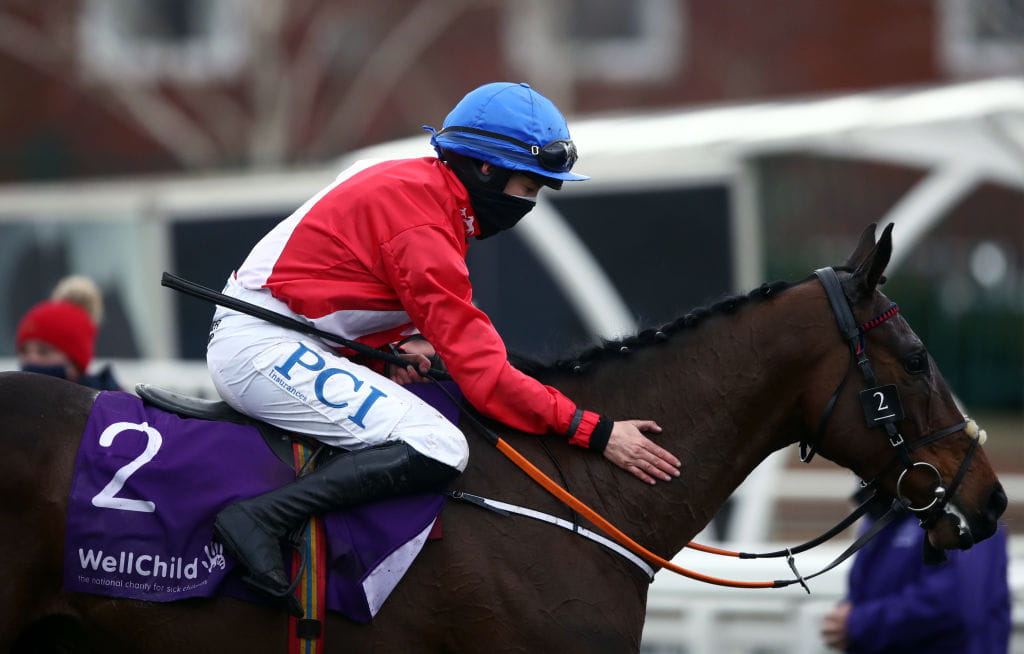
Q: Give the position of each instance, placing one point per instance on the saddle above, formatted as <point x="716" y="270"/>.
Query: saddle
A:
<point x="278" y="440"/>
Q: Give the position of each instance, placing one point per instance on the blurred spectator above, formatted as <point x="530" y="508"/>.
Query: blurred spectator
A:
<point x="57" y="337"/>
<point x="898" y="604"/>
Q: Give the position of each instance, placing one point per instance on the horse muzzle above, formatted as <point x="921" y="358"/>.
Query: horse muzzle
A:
<point x="950" y="529"/>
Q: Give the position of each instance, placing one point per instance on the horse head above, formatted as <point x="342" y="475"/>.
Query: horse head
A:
<point x="891" y="417"/>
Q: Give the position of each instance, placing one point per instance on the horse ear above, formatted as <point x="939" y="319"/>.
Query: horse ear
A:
<point x="869" y="272"/>
<point x="867" y="241"/>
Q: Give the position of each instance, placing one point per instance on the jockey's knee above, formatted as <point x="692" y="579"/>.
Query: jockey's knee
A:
<point x="453" y="445"/>
<point x="460" y="446"/>
<point x="440" y="440"/>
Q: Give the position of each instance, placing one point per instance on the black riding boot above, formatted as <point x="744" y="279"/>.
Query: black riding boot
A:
<point x="251" y="530"/>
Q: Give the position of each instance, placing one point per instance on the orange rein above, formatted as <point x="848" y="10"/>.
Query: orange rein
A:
<point x="590" y="514"/>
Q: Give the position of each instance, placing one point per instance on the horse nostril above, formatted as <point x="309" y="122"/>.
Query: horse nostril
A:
<point x="996" y="503"/>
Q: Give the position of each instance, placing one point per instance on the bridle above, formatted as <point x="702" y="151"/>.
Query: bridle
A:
<point x="882" y="408"/>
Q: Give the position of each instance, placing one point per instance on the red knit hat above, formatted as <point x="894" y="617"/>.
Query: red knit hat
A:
<point x="64" y="325"/>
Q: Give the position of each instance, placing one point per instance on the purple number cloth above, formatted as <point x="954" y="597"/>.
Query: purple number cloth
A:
<point x="148" y="484"/>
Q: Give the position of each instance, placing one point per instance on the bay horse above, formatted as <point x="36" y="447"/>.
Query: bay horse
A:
<point x="730" y="384"/>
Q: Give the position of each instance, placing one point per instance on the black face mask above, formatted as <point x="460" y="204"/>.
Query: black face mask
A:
<point x="53" y="371"/>
<point x="496" y="211"/>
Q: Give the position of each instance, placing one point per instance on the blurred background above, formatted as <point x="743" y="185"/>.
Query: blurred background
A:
<point x="730" y="143"/>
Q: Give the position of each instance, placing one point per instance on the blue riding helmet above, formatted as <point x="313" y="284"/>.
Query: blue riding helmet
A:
<point x="510" y="126"/>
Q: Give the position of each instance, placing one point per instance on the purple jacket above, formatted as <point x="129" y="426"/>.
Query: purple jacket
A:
<point x="902" y="605"/>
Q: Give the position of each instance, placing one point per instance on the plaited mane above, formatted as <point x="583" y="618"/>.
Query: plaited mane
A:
<point x="652" y="336"/>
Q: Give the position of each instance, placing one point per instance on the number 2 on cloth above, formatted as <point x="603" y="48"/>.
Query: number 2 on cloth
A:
<point x="107" y="498"/>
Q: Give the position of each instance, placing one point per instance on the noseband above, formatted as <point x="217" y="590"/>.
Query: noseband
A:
<point x="882" y="407"/>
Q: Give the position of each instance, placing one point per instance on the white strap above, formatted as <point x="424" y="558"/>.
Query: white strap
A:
<point x="565" y="524"/>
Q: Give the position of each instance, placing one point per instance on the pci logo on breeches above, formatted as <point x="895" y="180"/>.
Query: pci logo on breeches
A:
<point x="334" y="387"/>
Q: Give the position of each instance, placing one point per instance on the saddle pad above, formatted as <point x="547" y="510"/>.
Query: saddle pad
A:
<point x="148" y="484"/>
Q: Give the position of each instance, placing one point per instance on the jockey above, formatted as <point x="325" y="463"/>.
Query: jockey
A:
<point x="379" y="257"/>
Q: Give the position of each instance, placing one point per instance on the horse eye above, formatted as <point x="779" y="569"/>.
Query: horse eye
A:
<point x="916" y="363"/>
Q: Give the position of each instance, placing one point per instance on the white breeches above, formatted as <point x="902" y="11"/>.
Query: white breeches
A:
<point x="293" y="381"/>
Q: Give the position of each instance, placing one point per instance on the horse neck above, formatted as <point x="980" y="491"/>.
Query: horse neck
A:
<point x="725" y="393"/>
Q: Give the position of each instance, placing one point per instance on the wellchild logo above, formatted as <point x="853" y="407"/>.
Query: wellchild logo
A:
<point x="148" y="576"/>
<point x="146" y="565"/>
<point x="214" y="557"/>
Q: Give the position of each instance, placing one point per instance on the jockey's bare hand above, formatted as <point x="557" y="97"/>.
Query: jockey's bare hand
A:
<point x="417" y="353"/>
<point x="629" y="449"/>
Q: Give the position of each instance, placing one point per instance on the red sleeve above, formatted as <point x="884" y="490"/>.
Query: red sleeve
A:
<point x="426" y="268"/>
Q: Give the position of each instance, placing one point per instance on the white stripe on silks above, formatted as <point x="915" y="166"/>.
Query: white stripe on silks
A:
<point x="258" y="266"/>
<point x="346" y="323"/>
<point x="355" y="323"/>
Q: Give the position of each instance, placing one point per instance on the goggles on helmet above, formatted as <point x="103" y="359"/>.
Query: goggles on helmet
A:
<point x="557" y="156"/>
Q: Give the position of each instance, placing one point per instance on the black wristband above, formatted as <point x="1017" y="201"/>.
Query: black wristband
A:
<point x="602" y="432"/>
<point x="574" y="424"/>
